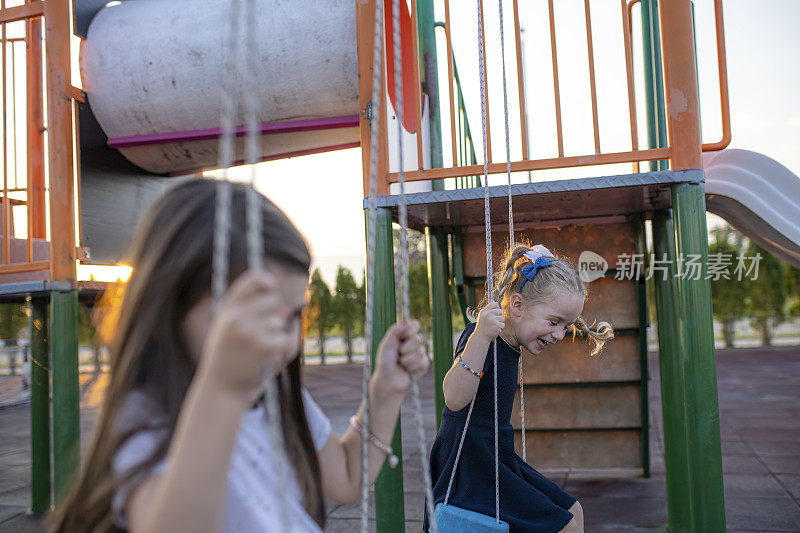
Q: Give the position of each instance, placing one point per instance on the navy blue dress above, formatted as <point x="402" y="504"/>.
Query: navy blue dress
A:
<point x="529" y="502"/>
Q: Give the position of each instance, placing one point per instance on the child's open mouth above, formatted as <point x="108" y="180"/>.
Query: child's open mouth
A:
<point x="540" y="343"/>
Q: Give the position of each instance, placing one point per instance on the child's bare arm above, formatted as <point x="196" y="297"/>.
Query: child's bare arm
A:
<point x="459" y="384"/>
<point x="401" y="353"/>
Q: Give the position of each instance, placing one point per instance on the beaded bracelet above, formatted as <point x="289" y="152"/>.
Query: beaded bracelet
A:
<point x="385" y="448"/>
<point x="462" y="363"/>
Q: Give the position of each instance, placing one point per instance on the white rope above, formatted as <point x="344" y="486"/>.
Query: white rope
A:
<point x="489" y="281"/>
<point x="240" y="67"/>
<point x="511" y="208"/>
<point x="403" y="219"/>
<point x="372" y="215"/>
<point x="488" y="230"/>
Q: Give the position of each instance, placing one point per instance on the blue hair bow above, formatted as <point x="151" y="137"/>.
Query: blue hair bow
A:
<point x="529" y="271"/>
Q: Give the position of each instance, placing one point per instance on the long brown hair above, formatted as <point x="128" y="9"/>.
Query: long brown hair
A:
<point x="171" y="258"/>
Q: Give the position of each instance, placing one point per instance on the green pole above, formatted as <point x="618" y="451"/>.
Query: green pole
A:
<point x="642" y="307"/>
<point x="40" y="407"/>
<point x="66" y="393"/>
<point x="438" y="284"/>
<point x="441" y="322"/>
<point x="389" y="512"/>
<point x="430" y="78"/>
<point x="699" y="370"/>
<point x="670" y="359"/>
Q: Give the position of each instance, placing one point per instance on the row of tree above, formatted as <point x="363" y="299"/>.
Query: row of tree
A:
<point x="767" y="300"/>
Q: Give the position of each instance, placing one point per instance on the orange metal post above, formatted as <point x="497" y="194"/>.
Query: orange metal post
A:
<point x="60" y="141"/>
<point x="365" y="13"/>
<point x="6" y="207"/>
<point x="556" y="91"/>
<point x="724" y="100"/>
<point x="36" y="186"/>
<point x="520" y="83"/>
<point x="592" y="83"/>
<point x="626" y="33"/>
<point x="680" y="80"/>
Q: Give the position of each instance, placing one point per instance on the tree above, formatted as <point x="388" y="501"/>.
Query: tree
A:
<point x="13" y="322"/>
<point x="793" y="291"/>
<point x="419" y="296"/>
<point x="348" y="311"/>
<point x="87" y="334"/>
<point x="319" y="310"/>
<point x="767" y="292"/>
<point x="728" y="294"/>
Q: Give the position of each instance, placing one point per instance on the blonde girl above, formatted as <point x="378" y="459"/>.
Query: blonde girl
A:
<point x="540" y="298"/>
<point x="182" y="443"/>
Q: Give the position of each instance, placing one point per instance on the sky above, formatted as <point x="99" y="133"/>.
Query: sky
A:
<point x="323" y="193"/>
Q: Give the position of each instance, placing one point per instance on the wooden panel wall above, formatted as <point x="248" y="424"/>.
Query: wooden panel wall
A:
<point x="580" y="412"/>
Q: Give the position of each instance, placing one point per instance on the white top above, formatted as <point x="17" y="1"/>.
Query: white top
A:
<point x="254" y="499"/>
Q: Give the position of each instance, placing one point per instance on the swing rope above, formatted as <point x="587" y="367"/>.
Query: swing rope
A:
<point x="372" y="217"/>
<point x="489" y="272"/>
<point x="403" y="219"/>
<point x="236" y="61"/>
<point x="511" y="207"/>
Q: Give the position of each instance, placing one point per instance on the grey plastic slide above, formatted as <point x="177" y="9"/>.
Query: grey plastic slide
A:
<point x="759" y="197"/>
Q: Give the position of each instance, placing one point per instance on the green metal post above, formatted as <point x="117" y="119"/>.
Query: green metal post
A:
<point x="670" y="359"/>
<point x="441" y="322"/>
<point x="426" y="25"/>
<point x="642" y="306"/>
<point x="66" y="392"/>
<point x="699" y="365"/>
<point x="389" y="511"/>
<point x="40" y="407"/>
<point x="654" y="81"/>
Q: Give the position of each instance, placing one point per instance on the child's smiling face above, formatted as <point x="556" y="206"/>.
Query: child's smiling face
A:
<point x="538" y="325"/>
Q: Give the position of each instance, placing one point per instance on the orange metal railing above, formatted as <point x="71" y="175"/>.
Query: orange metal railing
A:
<point x="38" y="240"/>
<point x="634" y="155"/>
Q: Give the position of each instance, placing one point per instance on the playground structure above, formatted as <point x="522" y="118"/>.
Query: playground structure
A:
<point x="605" y="422"/>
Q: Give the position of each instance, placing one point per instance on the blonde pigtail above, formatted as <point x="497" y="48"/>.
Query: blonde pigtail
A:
<point x="598" y="334"/>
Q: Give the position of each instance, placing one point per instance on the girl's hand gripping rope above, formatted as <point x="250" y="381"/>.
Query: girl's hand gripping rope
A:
<point x="400" y="354"/>
<point x="490" y="322"/>
<point x="255" y="330"/>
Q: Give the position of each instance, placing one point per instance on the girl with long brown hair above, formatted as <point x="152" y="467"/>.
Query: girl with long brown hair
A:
<point x="182" y="443"/>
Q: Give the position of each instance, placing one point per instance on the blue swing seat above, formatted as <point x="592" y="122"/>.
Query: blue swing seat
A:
<point x="452" y="519"/>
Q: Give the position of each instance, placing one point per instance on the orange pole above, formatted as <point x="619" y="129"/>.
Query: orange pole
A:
<point x="486" y="85"/>
<point x="592" y="83"/>
<point x="60" y="141"/>
<point x="450" y="81"/>
<point x="365" y="15"/>
<point x="520" y="84"/>
<point x="629" y="73"/>
<point x="556" y="91"/>
<point x="37" y="225"/>
<point x="722" y="65"/>
<point x="6" y="209"/>
<point x="680" y="80"/>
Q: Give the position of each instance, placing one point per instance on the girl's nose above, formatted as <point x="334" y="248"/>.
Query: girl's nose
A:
<point x="558" y="334"/>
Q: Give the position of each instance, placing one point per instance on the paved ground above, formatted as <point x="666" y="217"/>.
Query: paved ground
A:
<point x="759" y="391"/>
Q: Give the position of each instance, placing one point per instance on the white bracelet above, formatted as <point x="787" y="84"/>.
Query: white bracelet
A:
<point x="385" y="448"/>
